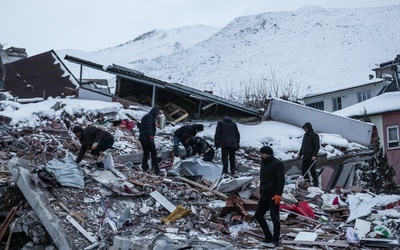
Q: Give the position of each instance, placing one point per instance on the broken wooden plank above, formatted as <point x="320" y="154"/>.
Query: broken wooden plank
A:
<point x="137" y="183"/>
<point x="81" y="229"/>
<point x="219" y="194"/>
<point x="172" y="109"/>
<point x="181" y="118"/>
<point x="71" y="212"/>
<point x="9" y="236"/>
<point x="7" y="221"/>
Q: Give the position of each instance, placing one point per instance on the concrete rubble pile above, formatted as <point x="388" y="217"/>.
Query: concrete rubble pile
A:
<point x="52" y="203"/>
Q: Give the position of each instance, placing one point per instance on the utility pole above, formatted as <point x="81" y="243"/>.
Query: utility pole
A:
<point x="2" y="68"/>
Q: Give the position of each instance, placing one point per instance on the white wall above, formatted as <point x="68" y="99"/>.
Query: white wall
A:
<point x="349" y="96"/>
<point x="322" y="121"/>
<point x="92" y="95"/>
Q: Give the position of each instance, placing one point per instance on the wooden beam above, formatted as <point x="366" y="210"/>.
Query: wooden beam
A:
<point x="7" y="221"/>
<point x="221" y="195"/>
<point x="181" y="118"/>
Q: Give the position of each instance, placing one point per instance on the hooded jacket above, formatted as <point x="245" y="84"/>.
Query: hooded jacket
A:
<point x="227" y="134"/>
<point x="272" y="176"/>
<point x="148" y="125"/>
<point x="310" y="144"/>
<point x="91" y="135"/>
<point x="188" y="130"/>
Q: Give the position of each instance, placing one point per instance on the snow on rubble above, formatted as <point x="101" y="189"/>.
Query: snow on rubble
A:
<point x="285" y="139"/>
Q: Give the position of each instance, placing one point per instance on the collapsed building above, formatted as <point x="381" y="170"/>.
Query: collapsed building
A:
<point x="50" y="202"/>
<point x="57" y="204"/>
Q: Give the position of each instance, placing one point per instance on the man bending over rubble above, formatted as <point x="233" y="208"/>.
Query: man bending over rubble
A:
<point x="94" y="138"/>
<point x="199" y="146"/>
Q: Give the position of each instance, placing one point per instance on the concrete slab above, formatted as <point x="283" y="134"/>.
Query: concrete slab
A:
<point x="37" y="198"/>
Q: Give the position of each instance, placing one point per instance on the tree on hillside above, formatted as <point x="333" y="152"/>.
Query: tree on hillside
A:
<point x="376" y="174"/>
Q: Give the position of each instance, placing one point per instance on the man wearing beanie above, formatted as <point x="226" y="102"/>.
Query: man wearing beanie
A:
<point x="272" y="181"/>
<point x="182" y="132"/>
<point x="147" y="132"/>
<point x="95" y="139"/>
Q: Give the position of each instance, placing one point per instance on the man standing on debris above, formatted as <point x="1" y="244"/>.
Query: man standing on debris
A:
<point x="147" y="132"/>
<point x="199" y="146"/>
<point x="309" y="151"/>
<point x="272" y="181"/>
<point x="94" y="138"/>
<point x="182" y="132"/>
<point x="227" y="137"/>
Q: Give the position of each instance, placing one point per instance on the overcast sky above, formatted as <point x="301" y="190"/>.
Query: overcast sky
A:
<point x="91" y="25"/>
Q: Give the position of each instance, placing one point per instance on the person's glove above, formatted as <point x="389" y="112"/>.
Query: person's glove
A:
<point x="152" y="138"/>
<point x="277" y="199"/>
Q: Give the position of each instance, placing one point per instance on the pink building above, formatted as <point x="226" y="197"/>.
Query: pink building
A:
<point x="384" y="112"/>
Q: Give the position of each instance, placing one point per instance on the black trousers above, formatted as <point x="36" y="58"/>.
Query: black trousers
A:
<point x="264" y="204"/>
<point x="209" y="156"/>
<point x="228" y="152"/>
<point x="149" y="148"/>
<point x="313" y="171"/>
<point x="103" y="146"/>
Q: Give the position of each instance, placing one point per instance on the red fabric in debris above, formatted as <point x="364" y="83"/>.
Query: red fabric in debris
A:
<point x="302" y="208"/>
<point x="128" y="124"/>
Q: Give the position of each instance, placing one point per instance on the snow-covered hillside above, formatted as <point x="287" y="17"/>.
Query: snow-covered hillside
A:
<point x="314" y="48"/>
<point x="158" y="43"/>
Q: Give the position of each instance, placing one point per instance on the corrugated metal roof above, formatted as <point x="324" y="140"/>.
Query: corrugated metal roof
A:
<point x="42" y="75"/>
<point x="175" y="87"/>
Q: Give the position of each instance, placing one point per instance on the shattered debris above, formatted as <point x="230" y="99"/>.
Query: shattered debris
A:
<point x="54" y="202"/>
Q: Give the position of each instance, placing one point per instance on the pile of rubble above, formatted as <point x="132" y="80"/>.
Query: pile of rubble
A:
<point x="52" y="203"/>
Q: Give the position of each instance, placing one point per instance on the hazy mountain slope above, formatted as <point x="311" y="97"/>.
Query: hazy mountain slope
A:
<point x="315" y="47"/>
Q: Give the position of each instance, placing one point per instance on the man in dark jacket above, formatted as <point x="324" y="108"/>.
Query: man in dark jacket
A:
<point x="94" y="138"/>
<point x="182" y="132"/>
<point x="147" y="132"/>
<point x="272" y="181"/>
<point x="200" y="146"/>
<point x="227" y="137"/>
<point x="309" y="151"/>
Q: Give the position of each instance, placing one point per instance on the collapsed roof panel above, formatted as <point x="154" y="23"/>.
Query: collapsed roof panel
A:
<point x="139" y="77"/>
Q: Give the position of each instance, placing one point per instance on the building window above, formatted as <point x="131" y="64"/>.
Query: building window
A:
<point x="337" y="103"/>
<point x="316" y="105"/>
<point x="365" y="95"/>
<point x="393" y="136"/>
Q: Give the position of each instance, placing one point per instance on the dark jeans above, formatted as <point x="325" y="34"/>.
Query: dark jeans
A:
<point x="149" y="148"/>
<point x="305" y="166"/>
<point x="264" y="204"/>
<point x="177" y="140"/>
<point x="228" y="152"/>
<point x="103" y="146"/>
